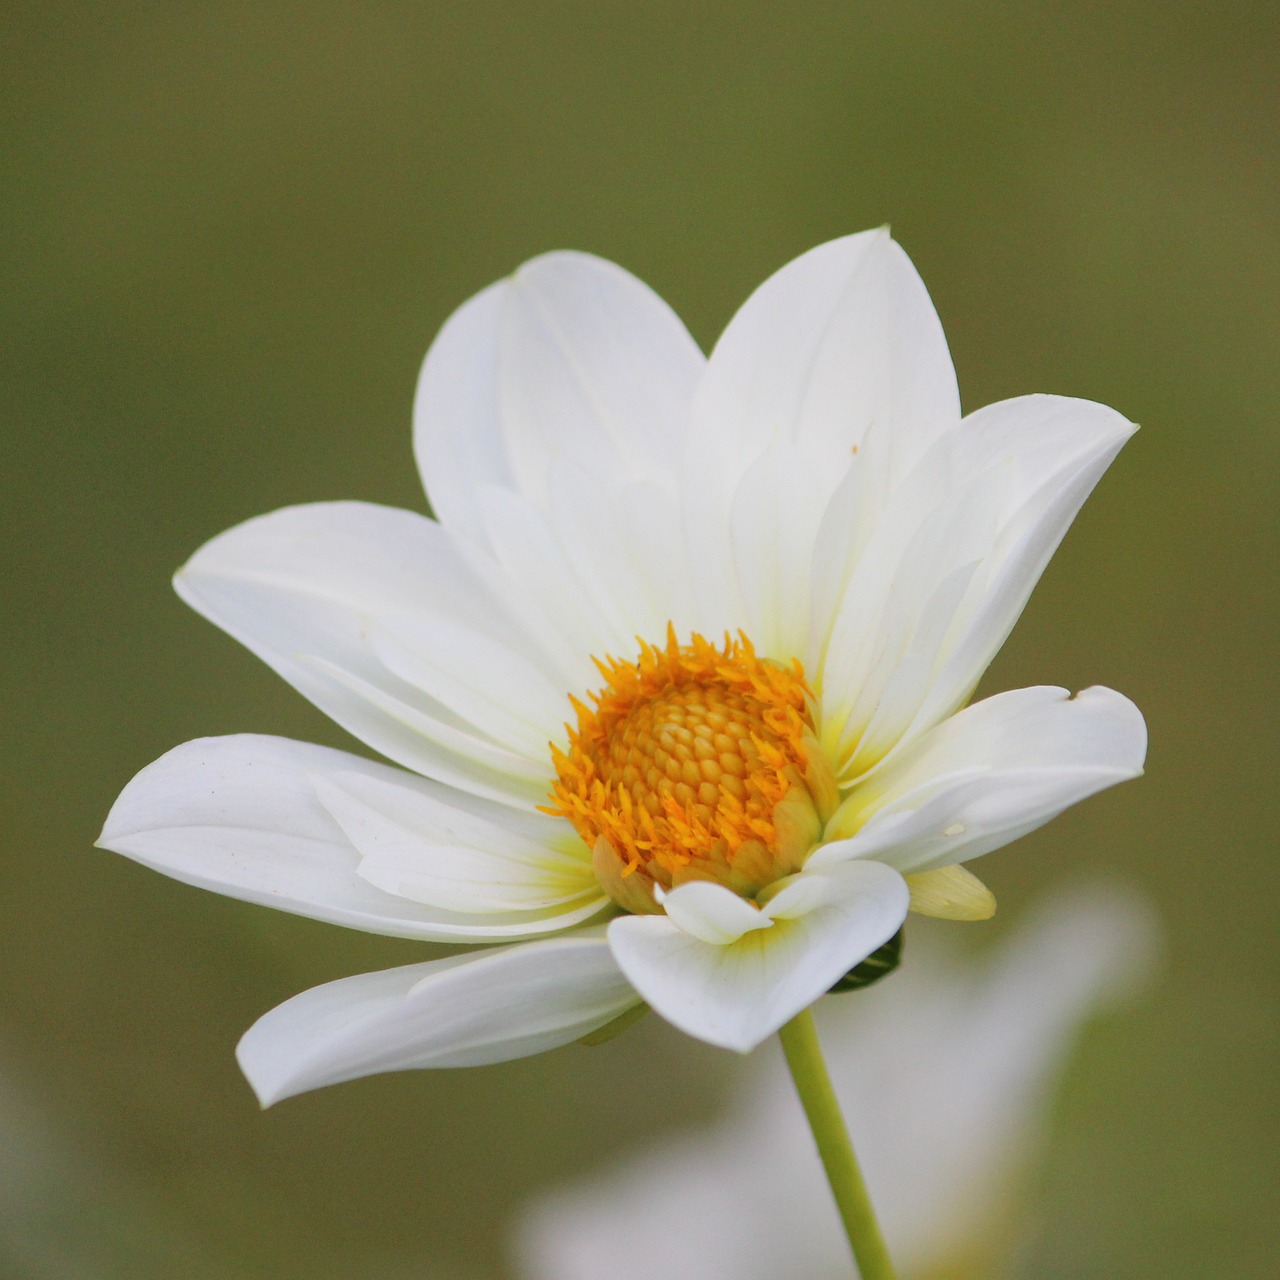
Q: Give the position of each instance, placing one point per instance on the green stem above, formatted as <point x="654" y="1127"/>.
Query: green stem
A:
<point x="804" y="1057"/>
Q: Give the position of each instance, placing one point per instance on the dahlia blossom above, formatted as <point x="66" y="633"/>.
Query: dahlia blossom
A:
<point x="674" y="685"/>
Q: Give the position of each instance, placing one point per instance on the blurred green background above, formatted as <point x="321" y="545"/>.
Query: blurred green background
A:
<point x="231" y="231"/>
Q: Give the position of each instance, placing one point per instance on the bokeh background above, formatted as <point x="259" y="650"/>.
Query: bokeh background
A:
<point x="230" y="232"/>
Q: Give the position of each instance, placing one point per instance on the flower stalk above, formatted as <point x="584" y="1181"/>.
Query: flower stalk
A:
<point x="804" y="1060"/>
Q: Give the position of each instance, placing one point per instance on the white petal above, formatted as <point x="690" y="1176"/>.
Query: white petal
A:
<point x="624" y="544"/>
<point x="843" y="337"/>
<point x="604" y="566"/>
<point x="530" y="554"/>
<point x="847" y="525"/>
<point x="571" y="356"/>
<point x="1077" y="441"/>
<point x="712" y="912"/>
<point x="485" y="683"/>
<point x="465" y="1011"/>
<point x="305" y="588"/>
<point x="414" y="846"/>
<point x="994" y="496"/>
<point x="457" y="424"/>
<point x="840" y="338"/>
<point x="445" y="749"/>
<point x="774" y="523"/>
<point x="594" y="366"/>
<point x="796" y="896"/>
<point x="990" y="774"/>
<point x="735" y="995"/>
<point x="898" y="611"/>
<point x="240" y="816"/>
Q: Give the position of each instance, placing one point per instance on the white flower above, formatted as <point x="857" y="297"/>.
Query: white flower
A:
<point x="946" y="1071"/>
<point x="723" y="827"/>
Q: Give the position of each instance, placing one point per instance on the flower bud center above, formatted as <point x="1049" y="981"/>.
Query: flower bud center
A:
<point x="694" y="762"/>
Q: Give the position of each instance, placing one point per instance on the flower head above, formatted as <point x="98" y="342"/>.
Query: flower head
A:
<point x="674" y="683"/>
<point x="695" y="762"/>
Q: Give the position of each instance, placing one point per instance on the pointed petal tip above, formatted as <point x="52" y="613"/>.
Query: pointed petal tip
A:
<point x="266" y="1089"/>
<point x="481" y="1007"/>
<point x="951" y="893"/>
<point x="122" y="818"/>
<point x="108" y="831"/>
<point x="182" y="579"/>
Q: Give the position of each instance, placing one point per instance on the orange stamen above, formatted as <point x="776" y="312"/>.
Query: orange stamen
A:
<point x="680" y="759"/>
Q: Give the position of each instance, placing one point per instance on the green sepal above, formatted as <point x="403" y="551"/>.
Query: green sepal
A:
<point x="625" y="1020"/>
<point x="879" y="964"/>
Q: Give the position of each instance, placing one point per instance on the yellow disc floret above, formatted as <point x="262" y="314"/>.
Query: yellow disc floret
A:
<point x="694" y="762"/>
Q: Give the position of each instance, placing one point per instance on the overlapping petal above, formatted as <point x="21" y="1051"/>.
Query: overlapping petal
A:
<point x="840" y="341"/>
<point x="421" y="846"/>
<point x="992" y="773"/>
<point x="308" y="588"/>
<point x="465" y="1011"/>
<point x="551" y="417"/>
<point x="917" y="615"/>
<point x="840" y="338"/>
<point x="488" y="683"/>
<point x="731" y="984"/>
<point x="241" y="815"/>
<point x="570" y="357"/>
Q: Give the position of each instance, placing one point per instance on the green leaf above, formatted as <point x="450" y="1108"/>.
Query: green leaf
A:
<point x="881" y="962"/>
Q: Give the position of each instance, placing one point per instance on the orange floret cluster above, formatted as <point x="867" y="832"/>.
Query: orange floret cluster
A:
<point x="683" y="757"/>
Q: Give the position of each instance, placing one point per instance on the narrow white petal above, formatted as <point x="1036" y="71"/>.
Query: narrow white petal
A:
<point x="796" y="896"/>
<point x="712" y="912"/>
<point x="774" y="524"/>
<point x="541" y="616"/>
<point x="990" y="774"/>
<point x="992" y="498"/>
<point x="622" y="540"/>
<point x="489" y="1006"/>
<point x="1079" y="440"/>
<point x="484" y="682"/>
<point x="529" y="552"/>
<point x="847" y="526"/>
<point x="240" y="816"/>
<point x="305" y="588"/>
<point x="414" y="846"/>
<point x="842" y="337"/>
<point x="736" y="994"/>
<point x="345" y="561"/>
<point x="899" y="609"/>
<point x="436" y="745"/>
<point x="911" y="674"/>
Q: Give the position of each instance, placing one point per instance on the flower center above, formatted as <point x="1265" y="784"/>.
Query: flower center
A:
<point x="694" y="762"/>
